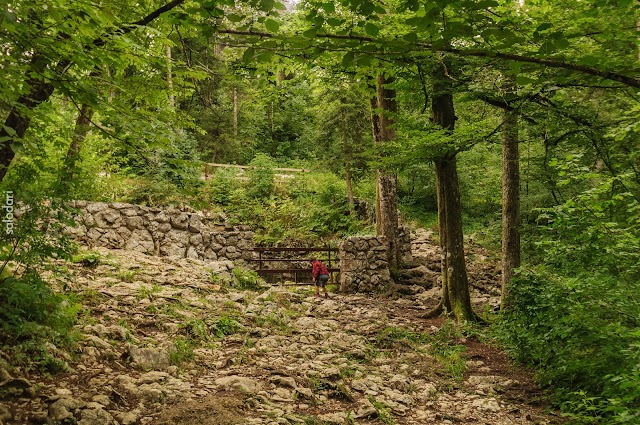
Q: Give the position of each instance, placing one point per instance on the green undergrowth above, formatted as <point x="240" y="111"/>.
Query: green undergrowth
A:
<point x="574" y="316"/>
<point x="442" y="344"/>
<point x="38" y="309"/>
<point x="310" y="206"/>
<point x="581" y="336"/>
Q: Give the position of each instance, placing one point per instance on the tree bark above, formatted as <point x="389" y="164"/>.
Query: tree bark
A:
<point x="510" y="200"/>
<point x="375" y="131"/>
<point x="347" y="176"/>
<point x="387" y="182"/>
<point x="235" y="112"/>
<point x="455" y="283"/>
<point x="83" y="123"/>
<point x="172" y="99"/>
<point x="346" y="152"/>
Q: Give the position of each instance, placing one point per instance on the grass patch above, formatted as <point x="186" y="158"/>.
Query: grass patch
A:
<point x="440" y="344"/>
<point x="383" y="411"/>
<point x="182" y="351"/>
<point x="245" y="279"/>
<point x="127" y="275"/>
<point x="87" y="259"/>
<point x="148" y="292"/>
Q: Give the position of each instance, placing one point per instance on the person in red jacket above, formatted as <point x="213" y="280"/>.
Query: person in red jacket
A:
<point x="320" y="276"/>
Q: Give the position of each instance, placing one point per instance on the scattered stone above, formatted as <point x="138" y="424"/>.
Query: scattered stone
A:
<point x="5" y="414"/>
<point x="148" y="358"/>
<point x="246" y="385"/>
<point x="63" y="409"/>
<point x="16" y="387"/>
<point x="94" y="417"/>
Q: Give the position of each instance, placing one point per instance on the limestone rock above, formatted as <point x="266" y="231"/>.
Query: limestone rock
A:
<point x="95" y="417"/>
<point x="241" y="383"/>
<point x="149" y="358"/>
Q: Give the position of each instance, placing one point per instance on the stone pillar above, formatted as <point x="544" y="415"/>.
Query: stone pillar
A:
<point x="363" y="264"/>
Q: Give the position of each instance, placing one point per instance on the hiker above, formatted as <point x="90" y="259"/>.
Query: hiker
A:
<point x="320" y="276"/>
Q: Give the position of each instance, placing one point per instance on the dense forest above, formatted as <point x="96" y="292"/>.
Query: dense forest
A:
<point x="515" y="123"/>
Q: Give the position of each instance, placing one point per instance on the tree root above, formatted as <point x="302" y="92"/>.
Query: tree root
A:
<point x="437" y="311"/>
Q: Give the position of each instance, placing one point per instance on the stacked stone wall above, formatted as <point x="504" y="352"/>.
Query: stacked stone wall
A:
<point x="404" y="241"/>
<point x="176" y="232"/>
<point x="364" y="266"/>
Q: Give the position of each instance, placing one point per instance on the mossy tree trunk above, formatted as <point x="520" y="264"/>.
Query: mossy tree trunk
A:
<point x="455" y="283"/>
<point x="83" y="124"/>
<point x="510" y="198"/>
<point x="387" y="182"/>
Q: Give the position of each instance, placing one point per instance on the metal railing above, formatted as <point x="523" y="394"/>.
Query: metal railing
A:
<point x="266" y="260"/>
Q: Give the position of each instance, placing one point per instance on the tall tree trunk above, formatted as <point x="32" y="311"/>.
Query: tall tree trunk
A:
<point x="350" y="197"/>
<point x="235" y="112"/>
<point x="272" y="112"/>
<point x="455" y="283"/>
<point x="375" y="131"/>
<point x="112" y="91"/>
<point x="172" y="99"/>
<point x="510" y="198"/>
<point x="83" y="123"/>
<point x="387" y="183"/>
<point x="346" y="152"/>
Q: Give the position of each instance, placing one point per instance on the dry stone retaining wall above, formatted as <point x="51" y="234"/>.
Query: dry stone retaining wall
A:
<point x="176" y="232"/>
<point x="364" y="266"/>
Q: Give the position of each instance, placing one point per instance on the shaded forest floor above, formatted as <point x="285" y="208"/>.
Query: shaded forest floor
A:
<point x="173" y="341"/>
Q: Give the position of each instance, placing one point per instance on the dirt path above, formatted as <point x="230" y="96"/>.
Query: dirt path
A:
<point x="172" y="341"/>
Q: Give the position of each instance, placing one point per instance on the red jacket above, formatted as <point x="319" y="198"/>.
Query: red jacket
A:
<point x="318" y="269"/>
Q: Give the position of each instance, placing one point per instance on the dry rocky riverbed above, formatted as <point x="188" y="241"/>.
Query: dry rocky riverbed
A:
<point x="171" y="341"/>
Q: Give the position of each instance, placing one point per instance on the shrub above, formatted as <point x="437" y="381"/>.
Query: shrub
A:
<point x="220" y="186"/>
<point x="580" y="334"/>
<point x="246" y="279"/>
<point x="261" y="176"/>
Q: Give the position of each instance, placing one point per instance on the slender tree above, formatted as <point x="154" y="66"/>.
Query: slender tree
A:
<point x="455" y="283"/>
<point x="386" y="181"/>
<point x="510" y="195"/>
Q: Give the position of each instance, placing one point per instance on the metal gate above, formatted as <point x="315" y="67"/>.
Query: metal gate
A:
<point x="271" y="263"/>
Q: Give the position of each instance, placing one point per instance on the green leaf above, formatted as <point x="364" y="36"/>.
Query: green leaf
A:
<point x="335" y="22"/>
<point x="371" y="29"/>
<point x="329" y="7"/>
<point x="544" y="26"/>
<point x="9" y="130"/>
<point x="347" y="59"/>
<point x="364" y="60"/>
<point x="248" y="54"/>
<point x="17" y="147"/>
<point x="410" y="37"/>
<point x="367" y="8"/>
<point x="267" y="5"/>
<point x="234" y="17"/>
<point x="524" y="80"/>
<point x="310" y="33"/>
<point x="264" y="57"/>
<point x="272" y="25"/>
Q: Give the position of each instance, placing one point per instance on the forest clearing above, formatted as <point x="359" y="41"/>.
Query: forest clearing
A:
<point x="473" y="166"/>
